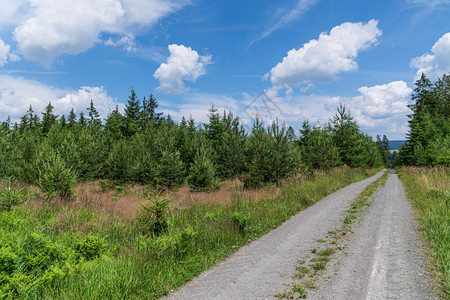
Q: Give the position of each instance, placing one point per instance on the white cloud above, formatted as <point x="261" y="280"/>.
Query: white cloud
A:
<point x="322" y="59"/>
<point x="67" y="27"/>
<point x="4" y="52"/>
<point x="13" y="12"/>
<point x="436" y="63"/>
<point x="182" y="64"/>
<point x="382" y="101"/>
<point x="17" y="94"/>
<point x="126" y="41"/>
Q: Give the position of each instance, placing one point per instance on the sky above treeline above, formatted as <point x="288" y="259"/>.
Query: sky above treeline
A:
<point x="289" y="59"/>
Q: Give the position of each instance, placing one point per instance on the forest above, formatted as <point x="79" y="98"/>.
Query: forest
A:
<point x="143" y="146"/>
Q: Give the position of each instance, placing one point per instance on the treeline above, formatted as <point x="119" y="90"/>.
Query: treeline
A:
<point x="429" y="125"/>
<point x="143" y="146"/>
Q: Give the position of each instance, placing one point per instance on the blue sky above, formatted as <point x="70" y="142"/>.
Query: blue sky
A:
<point x="306" y="56"/>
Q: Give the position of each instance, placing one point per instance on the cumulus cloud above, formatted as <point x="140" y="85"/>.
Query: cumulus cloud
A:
<point x="182" y="64"/>
<point x="4" y="52"/>
<point x="17" y="94"/>
<point x="437" y="62"/>
<point x="67" y="27"/>
<point x="13" y="12"/>
<point x="322" y="59"/>
<point x="381" y="101"/>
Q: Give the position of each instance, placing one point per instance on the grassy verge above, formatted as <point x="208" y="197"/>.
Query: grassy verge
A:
<point x="428" y="190"/>
<point x="329" y="249"/>
<point x="65" y="251"/>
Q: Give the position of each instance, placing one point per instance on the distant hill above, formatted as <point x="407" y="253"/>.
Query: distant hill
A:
<point x="393" y="145"/>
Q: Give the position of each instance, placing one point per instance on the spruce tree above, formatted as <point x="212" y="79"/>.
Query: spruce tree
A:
<point x="94" y="117"/>
<point x="72" y="119"/>
<point x="48" y="118"/>
<point x="202" y="173"/>
<point x="170" y="169"/>
<point x="132" y="114"/>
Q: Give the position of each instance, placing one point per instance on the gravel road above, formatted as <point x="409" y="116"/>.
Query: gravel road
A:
<point x="383" y="258"/>
<point x="263" y="268"/>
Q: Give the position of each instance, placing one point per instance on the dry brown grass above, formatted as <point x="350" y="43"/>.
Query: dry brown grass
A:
<point x="183" y="197"/>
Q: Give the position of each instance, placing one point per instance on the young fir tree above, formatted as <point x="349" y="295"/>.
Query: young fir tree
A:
<point x="170" y="169"/>
<point x="132" y="114"/>
<point x="48" y="118"/>
<point x="202" y="173"/>
<point x="115" y="124"/>
<point x="94" y="116"/>
<point x="348" y="138"/>
<point x="318" y="148"/>
<point x="72" y="119"/>
<point x="149" y="116"/>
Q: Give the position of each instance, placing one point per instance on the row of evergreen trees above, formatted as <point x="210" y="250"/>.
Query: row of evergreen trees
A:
<point x="143" y="146"/>
<point x="429" y="125"/>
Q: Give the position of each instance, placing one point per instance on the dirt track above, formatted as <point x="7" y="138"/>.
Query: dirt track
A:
<point x="383" y="259"/>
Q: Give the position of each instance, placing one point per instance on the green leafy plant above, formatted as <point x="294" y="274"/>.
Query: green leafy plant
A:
<point x="240" y="219"/>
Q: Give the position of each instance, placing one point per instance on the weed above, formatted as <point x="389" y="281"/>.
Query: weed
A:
<point x="304" y="270"/>
<point x="349" y="219"/>
<point x="241" y="220"/>
<point x="325" y="252"/>
<point x="284" y="295"/>
<point x="301" y="290"/>
<point x="319" y="266"/>
<point x="321" y="240"/>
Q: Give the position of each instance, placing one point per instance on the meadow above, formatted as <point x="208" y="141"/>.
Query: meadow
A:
<point x="134" y="241"/>
<point x="428" y="190"/>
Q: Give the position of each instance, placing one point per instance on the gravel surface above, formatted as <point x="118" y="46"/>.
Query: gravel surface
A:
<point x="264" y="267"/>
<point x="384" y="259"/>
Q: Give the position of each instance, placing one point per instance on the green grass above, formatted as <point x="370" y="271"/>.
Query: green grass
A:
<point x="92" y="254"/>
<point x="428" y="190"/>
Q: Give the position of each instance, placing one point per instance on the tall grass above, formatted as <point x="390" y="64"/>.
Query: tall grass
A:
<point x="142" y="266"/>
<point x="428" y="189"/>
